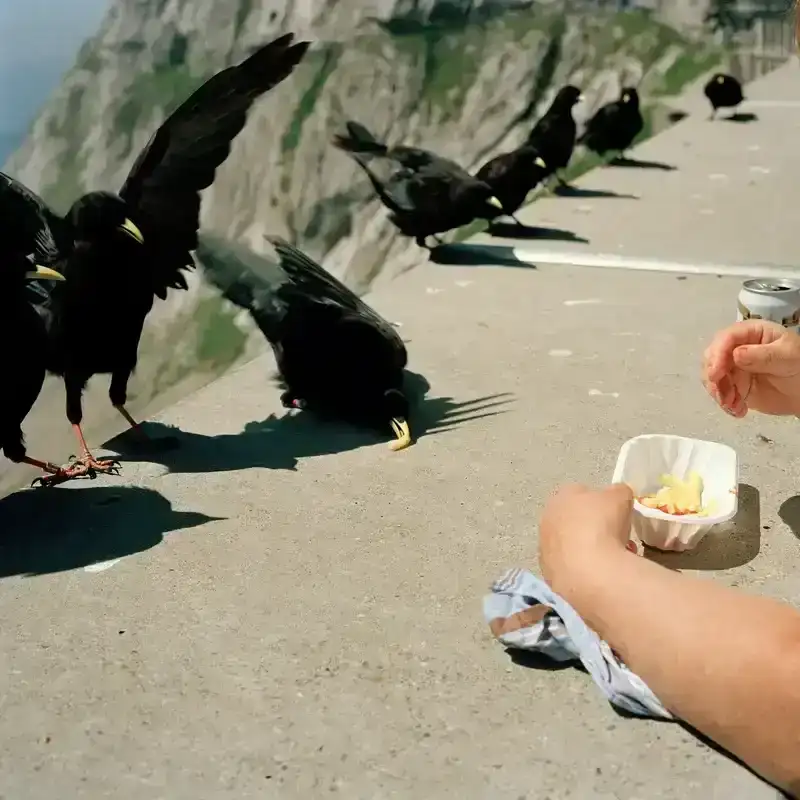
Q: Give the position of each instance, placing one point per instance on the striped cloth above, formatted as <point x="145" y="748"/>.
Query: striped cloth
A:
<point x="556" y="631"/>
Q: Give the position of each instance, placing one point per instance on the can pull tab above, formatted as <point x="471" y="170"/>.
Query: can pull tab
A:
<point x="766" y="286"/>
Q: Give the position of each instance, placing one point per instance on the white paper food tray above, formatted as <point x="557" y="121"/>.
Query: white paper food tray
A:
<point x="644" y="459"/>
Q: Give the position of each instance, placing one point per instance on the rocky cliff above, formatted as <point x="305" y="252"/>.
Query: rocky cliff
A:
<point x="462" y="77"/>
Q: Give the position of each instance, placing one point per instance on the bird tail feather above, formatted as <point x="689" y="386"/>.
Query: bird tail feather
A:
<point x="359" y="140"/>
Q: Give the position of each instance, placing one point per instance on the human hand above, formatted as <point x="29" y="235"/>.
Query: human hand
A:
<point x="579" y="527"/>
<point x="754" y="365"/>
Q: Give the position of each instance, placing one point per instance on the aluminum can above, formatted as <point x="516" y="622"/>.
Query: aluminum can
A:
<point x="775" y="300"/>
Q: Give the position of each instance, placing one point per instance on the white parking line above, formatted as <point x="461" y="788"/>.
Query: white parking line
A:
<point x="613" y="261"/>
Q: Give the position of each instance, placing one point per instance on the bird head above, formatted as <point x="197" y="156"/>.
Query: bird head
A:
<point x="99" y="215"/>
<point x="395" y="409"/>
<point x="630" y="96"/>
<point x="568" y="96"/>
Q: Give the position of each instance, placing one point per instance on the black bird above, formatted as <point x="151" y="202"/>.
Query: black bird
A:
<point x="513" y="176"/>
<point x="158" y="211"/>
<point x="427" y="194"/>
<point x="23" y="353"/>
<point x="335" y="355"/>
<point x="555" y="133"/>
<point x="723" y="91"/>
<point x="615" y="125"/>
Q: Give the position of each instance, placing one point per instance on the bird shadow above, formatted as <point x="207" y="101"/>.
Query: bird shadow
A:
<point x="54" y="530"/>
<point x="513" y="230"/>
<point x="731" y="544"/>
<point x="476" y="255"/>
<point x="741" y="117"/>
<point x="578" y="192"/>
<point x="676" y="116"/>
<point x="789" y="512"/>
<point x="280" y="442"/>
<point x="636" y="163"/>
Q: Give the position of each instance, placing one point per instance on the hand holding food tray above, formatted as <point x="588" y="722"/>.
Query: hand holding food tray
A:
<point x="683" y="488"/>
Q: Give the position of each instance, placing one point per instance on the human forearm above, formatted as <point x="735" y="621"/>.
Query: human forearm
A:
<point x="723" y="661"/>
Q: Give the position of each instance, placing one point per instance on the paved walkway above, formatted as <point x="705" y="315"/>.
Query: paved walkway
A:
<point x="295" y="611"/>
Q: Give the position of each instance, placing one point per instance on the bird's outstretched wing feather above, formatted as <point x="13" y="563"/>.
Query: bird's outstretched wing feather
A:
<point x="29" y="226"/>
<point x="181" y="159"/>
<point x="270" y="287"/>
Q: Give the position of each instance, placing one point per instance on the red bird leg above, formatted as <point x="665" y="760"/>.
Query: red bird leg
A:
<point x="88" y="460"/>
<point x="133" y="423"/>
<point x="74" y="391"/>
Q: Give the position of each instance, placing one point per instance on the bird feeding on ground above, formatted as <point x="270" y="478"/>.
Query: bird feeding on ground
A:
<point x="23" y="353"/>
<point x="555" y="133"/>
<point x="614" y="126"/>
<point x="513" y="176"/>
<point x="427" y="194"/>
<point x="336" y="356"/>
<point x="121" y="251"/>
<point x="723" y="91"/>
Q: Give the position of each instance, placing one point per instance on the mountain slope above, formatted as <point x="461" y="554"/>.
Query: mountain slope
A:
<point x="464" y="78"/>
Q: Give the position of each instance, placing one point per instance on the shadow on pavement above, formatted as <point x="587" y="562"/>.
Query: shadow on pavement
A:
<point x="741" y="117"/>
<point x="676" y="116"/>
<point x="279" y="442"/>
<point x="733" y="545"/>
<point x="477" y="255"/>
<point x="636" y="163"/>
<point x="512" y="230"/>
<point x="578" y="192"/>
<point x="52" y="530"/>
<point x="789" y="512"/>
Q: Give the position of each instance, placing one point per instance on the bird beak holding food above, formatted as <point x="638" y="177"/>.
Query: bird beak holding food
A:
<point x="402" y="432"/>
<point x="44" y="274"/>
<point x="493" y="201"/>
<point x="540" y="163"/>
<point x="130" y="228"/>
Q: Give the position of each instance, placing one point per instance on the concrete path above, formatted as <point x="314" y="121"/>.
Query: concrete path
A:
<point x="285" y="610"/>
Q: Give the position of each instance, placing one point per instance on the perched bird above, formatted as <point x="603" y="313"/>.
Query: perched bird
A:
<point x="615" y="125"/>
<point x="121" y="251"/>
<point x="427" y="194"/>
<point x="513" y="176"/>
<point x="723" y="91"/>
<point x="336" y="356"/>
<point x="23" y="354"/>
<point x="554" y="134"/>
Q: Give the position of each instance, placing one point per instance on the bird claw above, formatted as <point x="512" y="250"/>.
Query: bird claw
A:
<point x="91" y="465"/>
<point x="77" y="469"/>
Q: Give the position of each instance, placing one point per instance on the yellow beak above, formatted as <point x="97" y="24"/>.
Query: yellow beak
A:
<point x="403" y="434"/>
<point x="493" y="201"/>
<point x="540" y="163"/>
<point x="128" y="227"/>
<point x="44" y="274"/>
<point x="581" y="98"/>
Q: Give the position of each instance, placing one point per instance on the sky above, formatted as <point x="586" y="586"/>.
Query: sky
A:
<point x="40" y="40"/>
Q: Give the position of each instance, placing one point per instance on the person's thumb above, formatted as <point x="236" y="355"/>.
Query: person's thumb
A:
<point x="776" y="358"/>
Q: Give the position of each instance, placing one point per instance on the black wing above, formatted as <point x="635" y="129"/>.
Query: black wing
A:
<point x="164" y="185"/>
<point x="359" y="141"/>
<point x="29" y="226"/>
<point x="602" y="119"/>
<point x="269" y="287"/>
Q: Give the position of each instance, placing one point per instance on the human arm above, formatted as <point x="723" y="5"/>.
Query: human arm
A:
<point x="726" y="662"/>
